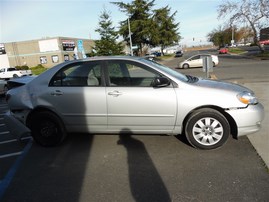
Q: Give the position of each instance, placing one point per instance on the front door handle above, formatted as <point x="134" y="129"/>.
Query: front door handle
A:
<point x="56" y="93"/>
<point x="115" y="93"/>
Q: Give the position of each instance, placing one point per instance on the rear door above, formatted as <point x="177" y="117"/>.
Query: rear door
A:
<point x="133" y="104"/>
<point x="77" y="93"/>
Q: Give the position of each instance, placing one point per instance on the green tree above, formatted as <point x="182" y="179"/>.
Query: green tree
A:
<point x="164" y="29"/>
<point x="216" y="37"/>
<point x="222" y="36"/>
<point x="108" y="44"/>
<point x="252" y="12"/>
<point x="139" y="13"/>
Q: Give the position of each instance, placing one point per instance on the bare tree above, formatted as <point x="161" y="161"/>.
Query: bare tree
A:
<point x="265" y="8"/>
<point x="255" y="13"/>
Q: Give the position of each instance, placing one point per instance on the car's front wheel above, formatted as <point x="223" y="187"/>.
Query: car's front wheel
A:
<point x="46" y="128"/>
<point x="207" y="129"/>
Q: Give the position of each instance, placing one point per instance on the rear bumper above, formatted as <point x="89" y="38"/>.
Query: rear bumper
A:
<point x="16" y="128"/>
<point x="249" y="119"/>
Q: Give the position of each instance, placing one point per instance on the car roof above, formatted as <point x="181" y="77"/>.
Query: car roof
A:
<point x="119" y="57"/>
<point x="204" y="54"/>
<point x="98" y="58"/>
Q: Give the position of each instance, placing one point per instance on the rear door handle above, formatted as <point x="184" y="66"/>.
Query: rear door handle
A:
<point x="56" y="93"/>
<point x="115" y="93"/>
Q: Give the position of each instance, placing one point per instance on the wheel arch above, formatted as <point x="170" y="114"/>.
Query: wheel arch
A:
<point x="185" y="64"/>
<point x="49" y="133"/>
<point x="231" y="121"/>
<point x="42" y="109"/>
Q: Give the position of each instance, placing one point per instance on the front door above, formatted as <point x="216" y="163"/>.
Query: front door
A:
<point x="133" y="104"/>
<point x="196" y="61"/>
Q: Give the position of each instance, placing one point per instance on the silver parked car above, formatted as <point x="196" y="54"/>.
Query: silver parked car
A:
<point x="123" y="94"/>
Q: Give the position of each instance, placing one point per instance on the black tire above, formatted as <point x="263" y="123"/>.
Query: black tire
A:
<point x="185" y="66"/>
<point x="207" y="129"/>
<point x="46" y="128"/>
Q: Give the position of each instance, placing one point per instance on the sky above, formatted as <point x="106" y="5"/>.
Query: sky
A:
<point x="22" y="20"/>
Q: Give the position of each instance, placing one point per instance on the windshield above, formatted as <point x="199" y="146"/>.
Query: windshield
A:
<point x="167" y="70"/>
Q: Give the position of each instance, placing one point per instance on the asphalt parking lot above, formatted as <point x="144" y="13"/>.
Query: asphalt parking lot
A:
<point x="130" y="168"/>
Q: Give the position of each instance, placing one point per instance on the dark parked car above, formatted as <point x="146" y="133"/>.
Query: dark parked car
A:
<point x="179" y="54"/>
<point x="157" y="54"/>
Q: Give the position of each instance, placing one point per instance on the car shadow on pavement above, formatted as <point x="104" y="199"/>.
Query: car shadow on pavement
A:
<point x="183" y="139"/>
<point x="145" y="182"/>
<point x="52" y="174"/>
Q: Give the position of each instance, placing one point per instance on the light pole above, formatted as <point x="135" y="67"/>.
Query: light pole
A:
<point x="130" y="38"/>
<point x="232" y="41"/>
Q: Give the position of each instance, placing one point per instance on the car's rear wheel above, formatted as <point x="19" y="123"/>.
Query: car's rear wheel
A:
<point x="185" y="66"/>
<point x="207" y="129"/>
<point x="46" y="128"/>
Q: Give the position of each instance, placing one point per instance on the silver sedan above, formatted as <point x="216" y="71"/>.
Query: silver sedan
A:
<point x="131" y="94"/>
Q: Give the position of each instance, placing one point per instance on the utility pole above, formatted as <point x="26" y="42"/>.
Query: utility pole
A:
<point x="232" y="41"/>
<point x="130" y="37"/>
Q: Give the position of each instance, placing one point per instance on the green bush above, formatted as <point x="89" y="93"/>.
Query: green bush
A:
<point x="24" y="67"/>
<point x="36" y="70"/>
<point x="237" y="50"/>
<point x="38" y="67"/>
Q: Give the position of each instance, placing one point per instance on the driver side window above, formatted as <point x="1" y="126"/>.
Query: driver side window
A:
<point x="126" y="73"/>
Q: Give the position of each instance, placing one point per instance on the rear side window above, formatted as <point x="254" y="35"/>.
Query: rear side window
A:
<point x="78" y="74"/>
<point x="195" y="57"/>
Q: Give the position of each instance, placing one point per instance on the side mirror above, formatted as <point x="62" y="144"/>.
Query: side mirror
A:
<point x="159" y="82"/>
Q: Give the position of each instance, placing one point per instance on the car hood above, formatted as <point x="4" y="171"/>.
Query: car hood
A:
<point x="205" y="92"/>
<point x="221" y="85"/>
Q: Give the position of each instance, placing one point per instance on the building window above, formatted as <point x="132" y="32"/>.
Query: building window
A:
<point x="66" y="57"/>
<point x="43" y="60"/>
<point x="55" y="58"/>
<point x="2" y="49"/>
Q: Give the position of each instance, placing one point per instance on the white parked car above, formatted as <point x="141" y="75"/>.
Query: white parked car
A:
<point x="197" y="61"/>
<point x="130" y="94"/>
<point x="11" y="72"/>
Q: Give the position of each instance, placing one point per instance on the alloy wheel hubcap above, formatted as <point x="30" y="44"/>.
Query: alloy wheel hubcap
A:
<point x="48" y="129"/>
<point x="207" y="131"/>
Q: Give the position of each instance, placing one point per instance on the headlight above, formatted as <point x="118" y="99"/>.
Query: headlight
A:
<point x="247" y="98"/>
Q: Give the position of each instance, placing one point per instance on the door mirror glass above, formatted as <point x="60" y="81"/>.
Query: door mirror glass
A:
<point x="160" y="82"/>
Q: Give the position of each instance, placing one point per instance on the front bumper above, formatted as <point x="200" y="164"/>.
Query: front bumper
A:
<point x="248" y="120"/>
